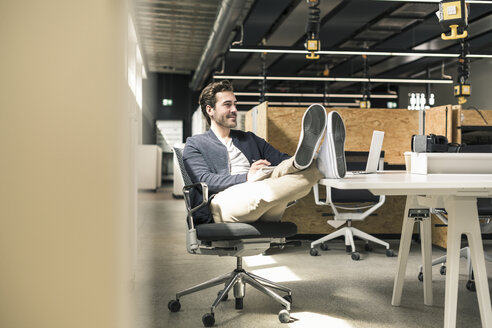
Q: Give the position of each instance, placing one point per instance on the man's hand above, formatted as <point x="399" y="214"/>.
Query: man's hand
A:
<point x="256" y="166"/>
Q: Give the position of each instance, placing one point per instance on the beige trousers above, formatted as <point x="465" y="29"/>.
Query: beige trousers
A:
<point x="266" y="199"/>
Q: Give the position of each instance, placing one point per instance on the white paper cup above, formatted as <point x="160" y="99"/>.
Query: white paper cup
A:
<point x="408" y="161"/>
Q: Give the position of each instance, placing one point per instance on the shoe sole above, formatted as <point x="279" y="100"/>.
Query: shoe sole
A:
<point x="313" y="126"/>
<point x="336" y="144"/>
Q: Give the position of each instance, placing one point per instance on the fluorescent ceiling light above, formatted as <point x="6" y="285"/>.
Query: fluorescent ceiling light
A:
<point x="334" y="79"/>
<point x="306" y="95"/>
<point x="358" y="52"/>
<point x="479" y="56"/>
<point x="297" y="103"/>
<point x="345" y="52"/>
<point x="484" y="2"/>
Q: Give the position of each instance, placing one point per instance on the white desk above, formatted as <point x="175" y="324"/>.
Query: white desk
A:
<point x="457" y="193"/>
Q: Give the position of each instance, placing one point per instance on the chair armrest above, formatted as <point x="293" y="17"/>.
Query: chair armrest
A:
<point x="319" y="201"/>
<point x="191" y="237"/>
<point x="186" y="193"/>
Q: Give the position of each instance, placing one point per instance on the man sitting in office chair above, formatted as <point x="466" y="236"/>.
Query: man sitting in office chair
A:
<point x="248" y="178"/>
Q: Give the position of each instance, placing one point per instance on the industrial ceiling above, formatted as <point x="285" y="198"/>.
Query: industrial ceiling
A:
<point x="196" y="37"/>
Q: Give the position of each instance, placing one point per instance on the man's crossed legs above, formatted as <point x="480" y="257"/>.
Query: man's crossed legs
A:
<point x="293" y="178"/>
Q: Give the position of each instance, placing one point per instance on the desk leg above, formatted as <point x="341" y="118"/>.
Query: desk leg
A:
<point x="405" y="240"/>
<point x="426" y="248"/>
<point x="463" y="219"/>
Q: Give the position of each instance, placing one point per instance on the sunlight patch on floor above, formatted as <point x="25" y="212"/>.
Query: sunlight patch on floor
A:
<point x="258" y="260"/>
<point x="277" y="274"/>
<point x="315" y="320"/>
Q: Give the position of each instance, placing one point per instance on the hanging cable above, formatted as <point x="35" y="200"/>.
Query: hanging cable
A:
<point x="462" y="89"/>
<point x="262" y="83"/>
<point x="312" y="29"/>
<point x="366" y="86"/>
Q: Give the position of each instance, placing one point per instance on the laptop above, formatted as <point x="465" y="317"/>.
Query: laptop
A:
<point x="374" y="153"/>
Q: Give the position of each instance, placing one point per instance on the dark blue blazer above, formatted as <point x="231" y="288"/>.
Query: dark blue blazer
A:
<point x="206" y="160"/>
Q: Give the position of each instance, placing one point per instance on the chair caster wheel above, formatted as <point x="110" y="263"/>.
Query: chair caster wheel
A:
<point x="239" y="303"/>
<point x="348" y="249"/>
<point x="225" y="298"/>
<point x="313" y="252"/>
<point x="421" y="276"/>
<point x="174" y="305"/>
<point x="368" y="247"/>
<point x="288" y="298"/>
<point x="324" y="247"/>
<point x="284" y="316"/>
<point x="442" y="270"/>
<point x="208" y="319"/>
<point x="355" y="256"/>
<point x="390" y="252"/>
<point x="470" y="285"/>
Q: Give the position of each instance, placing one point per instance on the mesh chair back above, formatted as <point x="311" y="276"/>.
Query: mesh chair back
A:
<point x="184" y="174"/>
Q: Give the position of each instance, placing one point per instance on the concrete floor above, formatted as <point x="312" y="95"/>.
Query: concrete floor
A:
<point x="330" y="290"/>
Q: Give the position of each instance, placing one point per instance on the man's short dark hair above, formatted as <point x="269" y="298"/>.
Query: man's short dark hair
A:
<point x="207" y="97"/>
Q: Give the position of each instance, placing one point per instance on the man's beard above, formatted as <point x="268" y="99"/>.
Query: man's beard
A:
<point x="225" y="121"/>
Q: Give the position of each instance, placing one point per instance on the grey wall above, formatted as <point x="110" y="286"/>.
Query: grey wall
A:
<point x="149" y="108"/>
<point x="481" y="87"/>
<point x="171" y="86"/>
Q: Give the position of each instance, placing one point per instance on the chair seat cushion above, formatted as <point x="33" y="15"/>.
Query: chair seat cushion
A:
<point x="235" y="231"/>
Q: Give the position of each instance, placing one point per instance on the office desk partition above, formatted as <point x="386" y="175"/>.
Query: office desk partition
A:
<point x="457" y="193"/>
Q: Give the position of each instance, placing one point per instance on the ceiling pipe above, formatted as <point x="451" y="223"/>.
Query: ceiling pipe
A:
<point x="227" y="18"/>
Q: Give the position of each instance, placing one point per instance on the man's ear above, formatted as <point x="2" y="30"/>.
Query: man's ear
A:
<point x="209" y="110"/>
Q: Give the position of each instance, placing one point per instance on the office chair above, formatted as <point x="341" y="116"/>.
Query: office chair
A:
<point x="352" y="202"/>
<point x="484" y="207"/>
<point x="231" y="239"/>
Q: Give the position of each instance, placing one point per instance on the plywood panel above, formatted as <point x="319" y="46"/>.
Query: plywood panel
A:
<point x="284" y="126"/>
<point x="472" y="117"/>
<point x="439" y="234"/>
<point x="436" y="121"/>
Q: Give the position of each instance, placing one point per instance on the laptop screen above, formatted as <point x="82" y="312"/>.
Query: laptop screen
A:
<point x="375" y="151"/>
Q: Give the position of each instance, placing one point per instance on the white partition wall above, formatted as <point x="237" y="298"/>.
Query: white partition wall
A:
<point x="149" y="167"/>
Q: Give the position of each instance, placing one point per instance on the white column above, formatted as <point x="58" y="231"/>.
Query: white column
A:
<point x="65" y="222"/>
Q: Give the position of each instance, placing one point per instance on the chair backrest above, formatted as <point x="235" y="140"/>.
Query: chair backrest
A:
<point x="353" y="196"/>
<point x="356" y="161"/>
<point x="179" y="156"/>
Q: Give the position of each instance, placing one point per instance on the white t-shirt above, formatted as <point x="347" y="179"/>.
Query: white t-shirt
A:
<point x="238" y="163"/>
